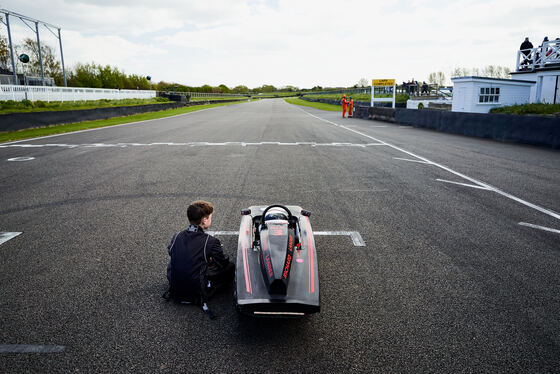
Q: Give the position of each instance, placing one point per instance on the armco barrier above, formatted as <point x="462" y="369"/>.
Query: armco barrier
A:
<point x="526" y="129"/>
<point x="20" y="121"/>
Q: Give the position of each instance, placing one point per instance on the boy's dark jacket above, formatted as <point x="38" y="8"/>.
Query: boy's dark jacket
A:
<point x="191" y="251"/>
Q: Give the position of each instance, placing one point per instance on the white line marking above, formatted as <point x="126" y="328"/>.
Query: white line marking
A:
<point x="481" y="184"/>
<point x="222" y="232"/>
<point x="28" y="348"/>
<point x="189" y="144"/>
<point x="464" y="184"/>
<point x="409" y="160"/>
<point x="539" y="227"/>
<point x="354" y="235"/>
<point x="5" y="236"/>
<point x="21" y="159"/>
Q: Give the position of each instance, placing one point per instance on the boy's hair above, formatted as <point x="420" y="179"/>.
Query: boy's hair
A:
<point x="198" y="210"/>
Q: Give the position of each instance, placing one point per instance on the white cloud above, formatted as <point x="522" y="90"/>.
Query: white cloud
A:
<point x="300" y="43"/>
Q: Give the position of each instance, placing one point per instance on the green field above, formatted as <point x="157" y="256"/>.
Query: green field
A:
<point x="23" y="106"/>
<point x="322" y="106"/>
<point x="8" y="136"/>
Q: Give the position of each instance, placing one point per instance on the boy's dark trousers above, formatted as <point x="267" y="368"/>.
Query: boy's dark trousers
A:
<point x="219" y="276"/>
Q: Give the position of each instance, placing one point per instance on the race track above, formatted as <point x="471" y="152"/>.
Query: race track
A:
<point x="459" y="272"/>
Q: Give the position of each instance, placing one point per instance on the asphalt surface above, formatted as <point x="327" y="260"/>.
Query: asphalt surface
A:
<point x="448" y="281"/>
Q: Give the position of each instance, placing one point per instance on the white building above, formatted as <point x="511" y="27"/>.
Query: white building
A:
<point x="479" y="95"/>
<point x="537" y="80"/>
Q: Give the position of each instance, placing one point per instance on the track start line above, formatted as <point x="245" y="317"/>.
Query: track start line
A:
<point x="357" y="239"/>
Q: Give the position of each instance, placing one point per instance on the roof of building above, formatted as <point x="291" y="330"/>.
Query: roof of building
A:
<point x="495" y="79"/>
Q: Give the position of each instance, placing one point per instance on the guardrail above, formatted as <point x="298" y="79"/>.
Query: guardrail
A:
<point x="34" y="93"/>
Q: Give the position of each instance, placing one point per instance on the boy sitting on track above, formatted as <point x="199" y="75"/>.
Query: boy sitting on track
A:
<point x="198" y="265"/>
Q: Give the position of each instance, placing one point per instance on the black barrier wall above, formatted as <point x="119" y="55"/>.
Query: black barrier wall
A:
<point x="20" y="121"/>
<point x="525" y="129"/>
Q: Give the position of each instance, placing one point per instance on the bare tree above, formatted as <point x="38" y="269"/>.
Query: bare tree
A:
<point x="490" y="71"/>
<point x="363" y="82"/>
<point x="437" y="78"/>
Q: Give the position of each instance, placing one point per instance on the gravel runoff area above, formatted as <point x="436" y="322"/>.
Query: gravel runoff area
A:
<point x="459" y="272"/>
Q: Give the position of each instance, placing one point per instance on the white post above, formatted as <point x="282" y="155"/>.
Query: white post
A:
<point x="394" y="93"/>
<point x="372" y="93"/>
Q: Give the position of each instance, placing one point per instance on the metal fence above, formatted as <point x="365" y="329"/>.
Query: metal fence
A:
<point x="34" y="93"/>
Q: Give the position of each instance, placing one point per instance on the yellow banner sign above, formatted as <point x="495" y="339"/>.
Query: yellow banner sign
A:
<point x="382" y="82"/>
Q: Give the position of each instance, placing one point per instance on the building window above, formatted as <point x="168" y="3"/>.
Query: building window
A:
<point x="489" y="95"/>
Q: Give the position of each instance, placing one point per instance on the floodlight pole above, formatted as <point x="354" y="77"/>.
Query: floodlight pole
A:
<point x="62" y="58"/>
<point x="36" y="22"/>
<point x="40" y="57"/>
<point x="11" y="48"/>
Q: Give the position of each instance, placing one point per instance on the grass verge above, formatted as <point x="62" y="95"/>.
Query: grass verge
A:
<point x="536" y="108"/>
<point x="322" y="106"/>
<point x="9" y="136"/>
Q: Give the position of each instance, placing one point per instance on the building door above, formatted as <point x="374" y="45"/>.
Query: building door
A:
<point x="557" y="91"/>
<point x="462" y="99"/>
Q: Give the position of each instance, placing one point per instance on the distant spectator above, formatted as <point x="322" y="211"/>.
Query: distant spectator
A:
<point x="526" y="48"/>
<point x="424" y="88"/>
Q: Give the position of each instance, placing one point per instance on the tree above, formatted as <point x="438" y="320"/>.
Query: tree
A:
<point x="289" y="88"/>
<point x="268" y="88"/>
<point x="490" y="71"/>
<point x="51" y="66"/>
<point x="139" y="82"/>
<point x="363" y="82"/>
<point x="224" y="89"/>
<point x="4" y="52"/>
<point x="437" y="78"/>
<point x="85" y="75"/>
<point x="240" y="89"/>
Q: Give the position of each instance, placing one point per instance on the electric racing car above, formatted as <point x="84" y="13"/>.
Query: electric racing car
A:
<point x="276" y="271"/>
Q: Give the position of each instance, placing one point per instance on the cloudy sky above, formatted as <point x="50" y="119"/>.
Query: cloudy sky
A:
<point x="283" y="42"/>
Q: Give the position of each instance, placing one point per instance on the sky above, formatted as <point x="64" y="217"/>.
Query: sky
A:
<point x="300" y="43"/>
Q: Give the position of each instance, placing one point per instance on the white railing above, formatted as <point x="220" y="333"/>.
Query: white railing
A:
<point x="544" y="56"/>
<point x="205" y="94"/>
<point x="34" y="93"/>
